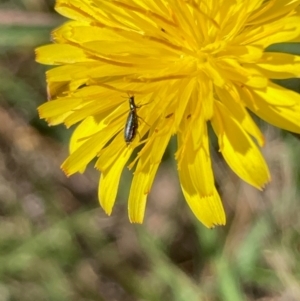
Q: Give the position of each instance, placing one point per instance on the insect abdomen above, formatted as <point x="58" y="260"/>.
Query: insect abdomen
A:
<point x="131" y="127"/>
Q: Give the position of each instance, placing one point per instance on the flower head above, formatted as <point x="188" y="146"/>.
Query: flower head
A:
<point x="186" y="63"/>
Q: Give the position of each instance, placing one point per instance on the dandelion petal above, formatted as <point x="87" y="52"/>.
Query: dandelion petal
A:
<point x="239" y="150"/>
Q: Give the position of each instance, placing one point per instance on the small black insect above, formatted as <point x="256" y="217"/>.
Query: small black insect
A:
<point x="131" y="126"/>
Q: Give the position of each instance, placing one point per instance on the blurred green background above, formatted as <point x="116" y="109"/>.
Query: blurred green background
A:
<point x="57" y="244"/>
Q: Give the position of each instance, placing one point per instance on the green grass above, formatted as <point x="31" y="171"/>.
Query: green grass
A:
<point x="56" y="243"/>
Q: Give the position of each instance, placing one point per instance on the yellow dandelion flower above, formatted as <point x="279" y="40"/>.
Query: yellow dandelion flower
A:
<point x="184" y="63"/>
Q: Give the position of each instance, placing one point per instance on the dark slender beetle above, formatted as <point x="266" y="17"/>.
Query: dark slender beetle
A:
<point x="131" y="126"/>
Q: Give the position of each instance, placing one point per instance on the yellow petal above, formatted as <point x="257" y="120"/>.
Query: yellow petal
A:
<point x="275" y="9"/>
<point x="209" y="209"/>
<point x="244" y="53"/>
<point x="111" y="165"/>
<point x="249" y="76"/>
<point x="84" y="131"/>
<point x="145" y="173"/>
<point x="58" y="107"/>
<point x="215" y="73"/>
<point x="277" y="95"/>
<point x="282" y="113"/>
<point x="67" y="73"/>
<point x="238" y="149"/>
<point x="78" y="160"/>
<point x="95" y="108"/>
<point x="195" y="157"/>
<point x="240" y="114"/>
<point x="58" y="54"/>
<point x="80" y="10"/>
<point x="196" y="176"/>
<point x="253" y="5"/>
<point x="279" y="65"/>
<point x="279" y="31"/>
